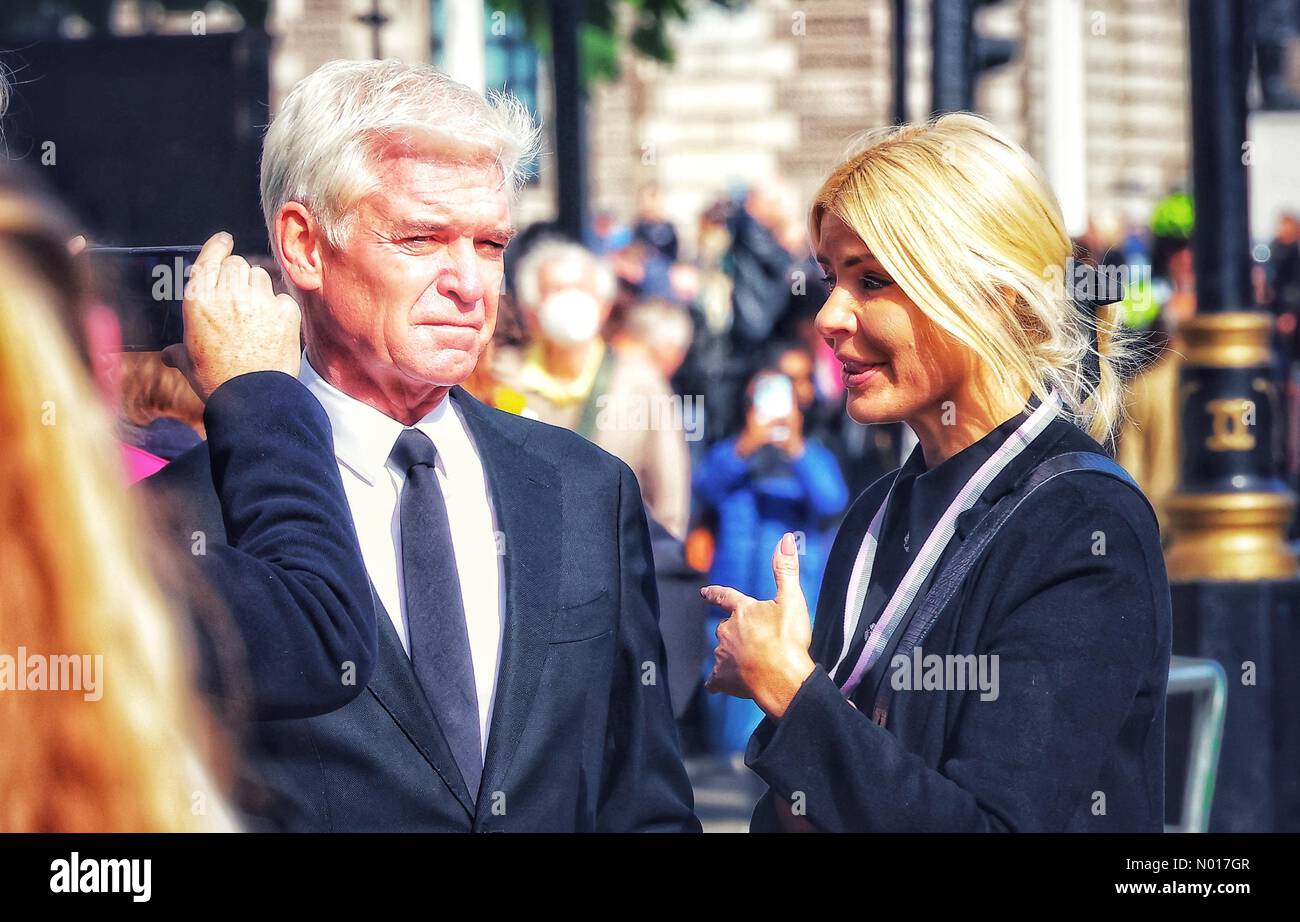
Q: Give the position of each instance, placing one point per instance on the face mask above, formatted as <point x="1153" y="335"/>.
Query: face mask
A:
<point x="569" y="317"/>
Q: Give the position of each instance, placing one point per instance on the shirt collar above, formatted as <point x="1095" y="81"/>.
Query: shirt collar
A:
<point x="364" y="436"/>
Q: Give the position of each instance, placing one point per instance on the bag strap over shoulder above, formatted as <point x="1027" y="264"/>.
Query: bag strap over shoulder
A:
<point x="951" y="577"/>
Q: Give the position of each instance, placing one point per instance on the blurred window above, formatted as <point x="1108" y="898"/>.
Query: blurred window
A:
<point x="510" y="59"/>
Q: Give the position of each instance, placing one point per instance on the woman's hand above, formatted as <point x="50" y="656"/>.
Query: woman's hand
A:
<point x="763" y="646"/>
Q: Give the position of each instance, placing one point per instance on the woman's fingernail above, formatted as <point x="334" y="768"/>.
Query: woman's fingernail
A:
<point x="787" y="544"/>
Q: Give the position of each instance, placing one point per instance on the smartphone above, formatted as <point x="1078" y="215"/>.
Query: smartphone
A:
<point x="145" y="287"/>
<point x="773" y="401"/>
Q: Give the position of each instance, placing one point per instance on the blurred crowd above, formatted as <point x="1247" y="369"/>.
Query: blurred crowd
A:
<point x="1156" y="265"/>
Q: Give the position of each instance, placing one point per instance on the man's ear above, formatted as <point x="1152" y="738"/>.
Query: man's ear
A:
<point x="299" y="242"/>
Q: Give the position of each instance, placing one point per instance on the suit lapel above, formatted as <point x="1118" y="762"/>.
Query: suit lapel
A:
<point x="395" y="686"/>
<point x="526" y="496"/>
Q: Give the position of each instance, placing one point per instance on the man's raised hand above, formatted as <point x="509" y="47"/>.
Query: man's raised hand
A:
<point x="235" y="323"/>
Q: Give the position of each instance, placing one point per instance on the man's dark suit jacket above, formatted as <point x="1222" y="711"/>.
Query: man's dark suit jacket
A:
<point x="284" y="625"/>
<point x="582" y="735"/>
<point x="1075" y="739"/>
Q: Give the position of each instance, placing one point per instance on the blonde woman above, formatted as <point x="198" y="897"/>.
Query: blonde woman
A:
<point x="993" y="630"/>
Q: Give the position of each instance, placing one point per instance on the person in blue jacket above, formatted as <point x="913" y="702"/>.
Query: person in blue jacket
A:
<point x="768" y="480"/>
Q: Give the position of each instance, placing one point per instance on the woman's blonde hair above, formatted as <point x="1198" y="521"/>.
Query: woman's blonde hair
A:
<point x="130" y="754"/>
<point x="967" y="225"/>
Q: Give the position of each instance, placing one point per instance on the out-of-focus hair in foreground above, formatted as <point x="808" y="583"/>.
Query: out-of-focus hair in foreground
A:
<point x="129" y="755"/>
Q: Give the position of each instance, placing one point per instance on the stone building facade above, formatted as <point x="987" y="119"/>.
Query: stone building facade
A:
<point x="777" y="88"/>
<point x="780" y="87"/>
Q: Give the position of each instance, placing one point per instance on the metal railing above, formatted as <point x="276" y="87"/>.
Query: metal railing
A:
<point x="1205" y="680"/>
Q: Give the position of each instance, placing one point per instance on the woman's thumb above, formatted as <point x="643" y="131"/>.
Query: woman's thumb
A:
<point x="785" y="566"/>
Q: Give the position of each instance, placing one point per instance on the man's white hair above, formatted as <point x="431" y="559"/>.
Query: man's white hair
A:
<point x="320" y="147"/>
<point x="551" y="250"/>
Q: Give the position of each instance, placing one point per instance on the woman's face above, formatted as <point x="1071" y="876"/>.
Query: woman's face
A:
<point x="897" y="363"/>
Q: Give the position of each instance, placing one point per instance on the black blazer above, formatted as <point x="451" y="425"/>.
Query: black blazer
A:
<point x="582" y="734"/>
<point x="1074" y="740"/>
<point x="281" y="602"/>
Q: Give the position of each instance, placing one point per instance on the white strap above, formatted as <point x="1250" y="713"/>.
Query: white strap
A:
<point x="930" y="552"/>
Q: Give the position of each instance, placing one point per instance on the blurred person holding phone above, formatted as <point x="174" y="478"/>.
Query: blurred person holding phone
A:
<point x="992" y="641"/>
<point x="768" y="480"/>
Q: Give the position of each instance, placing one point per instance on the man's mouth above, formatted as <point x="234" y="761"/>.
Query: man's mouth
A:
<point x="451" y="325"/>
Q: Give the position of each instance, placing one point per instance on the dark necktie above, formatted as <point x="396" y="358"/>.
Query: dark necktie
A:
<point x="435" y="611"/>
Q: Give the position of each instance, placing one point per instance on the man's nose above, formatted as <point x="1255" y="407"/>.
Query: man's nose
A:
<point x="463" y="279"/>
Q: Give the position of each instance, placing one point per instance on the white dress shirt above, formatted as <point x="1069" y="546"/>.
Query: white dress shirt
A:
<point x="363" y="439"/>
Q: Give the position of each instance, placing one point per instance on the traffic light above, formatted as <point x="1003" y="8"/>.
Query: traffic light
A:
<point x="961" y="55"/>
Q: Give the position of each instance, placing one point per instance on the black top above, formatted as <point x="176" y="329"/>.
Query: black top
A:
<point x="1072" y="599"/>
<point x="919" y="499"/>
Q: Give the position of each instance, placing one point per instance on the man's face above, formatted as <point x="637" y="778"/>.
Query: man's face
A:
<point x="411" y="297"/>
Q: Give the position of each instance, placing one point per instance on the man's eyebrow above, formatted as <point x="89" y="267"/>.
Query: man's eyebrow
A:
<point x="435" y="225"/>
<point x="419" y="224"/>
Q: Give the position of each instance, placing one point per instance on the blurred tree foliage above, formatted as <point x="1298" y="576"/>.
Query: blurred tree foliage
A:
<point x="601" y="34"/>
